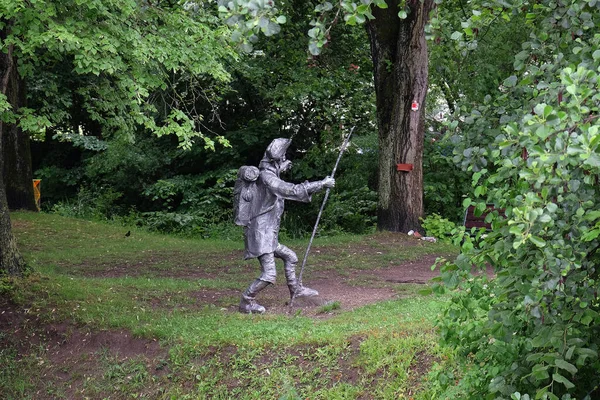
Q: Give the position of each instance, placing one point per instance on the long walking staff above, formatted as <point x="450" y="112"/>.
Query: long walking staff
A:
<point x="314" y="232"/>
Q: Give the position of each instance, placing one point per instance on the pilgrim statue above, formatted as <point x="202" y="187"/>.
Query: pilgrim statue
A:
<point x="259" y="197"/>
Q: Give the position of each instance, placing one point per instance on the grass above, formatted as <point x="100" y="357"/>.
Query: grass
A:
<point x="92" y="277"/>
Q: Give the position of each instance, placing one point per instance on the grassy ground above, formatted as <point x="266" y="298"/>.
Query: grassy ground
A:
<point x="111" y="315"/>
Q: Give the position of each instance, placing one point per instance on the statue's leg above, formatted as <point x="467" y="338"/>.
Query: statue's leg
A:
<point x="248" y="304"/>
<point x="290" y="260"/>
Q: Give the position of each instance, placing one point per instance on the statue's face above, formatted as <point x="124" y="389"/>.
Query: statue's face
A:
<point x="285" y="165"/>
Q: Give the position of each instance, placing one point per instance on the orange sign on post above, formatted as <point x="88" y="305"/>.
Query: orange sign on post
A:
<point x="36" y="192"/>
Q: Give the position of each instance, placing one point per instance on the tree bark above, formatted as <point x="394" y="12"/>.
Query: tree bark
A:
<point x="11" y="261"/>
<point x="16" y="154"/>
<point x="400" y="60"/>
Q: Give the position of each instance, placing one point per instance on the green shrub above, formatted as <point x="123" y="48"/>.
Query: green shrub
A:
<point x="101" y="204"/>
<point x="438" y="227"/>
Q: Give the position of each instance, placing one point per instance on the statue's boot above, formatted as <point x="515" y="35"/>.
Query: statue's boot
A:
<point x="248" y="304"/>
<point x="296" y="290"/>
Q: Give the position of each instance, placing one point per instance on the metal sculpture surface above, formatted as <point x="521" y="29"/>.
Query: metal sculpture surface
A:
<point x="259" y="197"/>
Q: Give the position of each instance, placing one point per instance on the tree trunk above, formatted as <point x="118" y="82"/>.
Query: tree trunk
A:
<point x="16" y="154"/>
<point x="400" y="60"/>
<point x="11" y="261"/>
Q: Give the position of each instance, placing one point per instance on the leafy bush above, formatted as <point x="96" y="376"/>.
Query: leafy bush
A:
<point x="532" y="332"/>
<point x="354" y="211"/>
<point x="92" y="205"/>
<point x="444" y="183"/>
<point x="438" y="227"/>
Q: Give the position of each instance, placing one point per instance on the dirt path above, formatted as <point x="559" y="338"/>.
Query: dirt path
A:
<point x="354" y="288"/>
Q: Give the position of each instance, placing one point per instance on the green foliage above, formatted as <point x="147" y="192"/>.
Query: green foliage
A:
<point x="190" y="205"/>
<point x="438" y="227"/>
<point x="444" y="183"/>
<point x="354" y="211"/>
<point x="275" y="92"/>
<point x="352" y="204"/>
<point x="87" y="204"/>
<point x="533" y="149"/>
<point x="327" y="15"/>
<point x="6" y="285"/>
<point x="105" y="60"/>
<point x="471" y="51"/>
<point x="248" y="18"/>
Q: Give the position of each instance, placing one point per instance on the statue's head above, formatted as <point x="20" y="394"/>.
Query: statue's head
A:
<point x="277" y="148"/>
<point x="276" y="154"/>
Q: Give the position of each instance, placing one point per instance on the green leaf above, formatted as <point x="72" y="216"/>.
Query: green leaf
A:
<point x="511" y="81"/>
<point x="479" y="190"/>
<point x="539" y="109"/>
<point x="541" y="339"/>
<point x="543" y="132"/>
<point x="591" y="235"/>
<point x="281" y="19"/>
<point x="593" y="160"/>
<point x="455" y="36"/>
<point x="561" y="379"/>
<point x="402" y="14"/>
<point x="540" y="371"/>
<point x="515" y="230"/>
<point x="271" y="29"/>
<point x="567" y="366"/>
<point x="314" y="49"/>
<point x="596" y="54"/>
<point x="362" y="8"/>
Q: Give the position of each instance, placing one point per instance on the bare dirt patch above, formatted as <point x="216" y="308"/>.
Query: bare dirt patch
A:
<point x="68" y="355"/>
<point x="352" y="288"/>
<point x="417" y="271"/>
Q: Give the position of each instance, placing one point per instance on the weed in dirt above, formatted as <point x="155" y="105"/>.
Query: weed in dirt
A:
<point x="329" y="307"/>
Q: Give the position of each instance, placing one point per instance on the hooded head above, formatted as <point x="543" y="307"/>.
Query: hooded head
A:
<point x="277" y="148"/>
<point x="275" y="154"/>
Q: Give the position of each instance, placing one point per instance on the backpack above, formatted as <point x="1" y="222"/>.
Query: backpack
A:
<point x="244" y="192"/>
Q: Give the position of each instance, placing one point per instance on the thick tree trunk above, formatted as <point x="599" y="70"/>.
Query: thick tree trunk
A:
<point x="399" y="52"/>
<point x="11" y="261"/>
<point x="16" y="154"/>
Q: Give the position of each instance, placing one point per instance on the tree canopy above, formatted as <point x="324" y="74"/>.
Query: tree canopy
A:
<point x="120" y="65"/>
